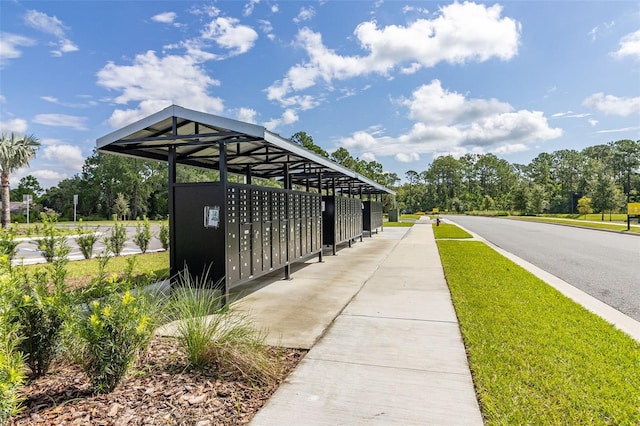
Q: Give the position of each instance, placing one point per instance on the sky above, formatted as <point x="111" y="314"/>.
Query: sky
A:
<point x="398" y="82"/>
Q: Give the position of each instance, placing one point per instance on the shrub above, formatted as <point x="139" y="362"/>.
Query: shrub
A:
<point x="143" y="235"/>
<point x="53" y="245"/>
<point x="111" y="334"/>
<point x="115" y="242"/>
<point x="8" y="244"/>
<point x="164" y="235"/>
<point x="11" y="360"/>
<point x="40" y="316"/>
<point x="86" y="240"/>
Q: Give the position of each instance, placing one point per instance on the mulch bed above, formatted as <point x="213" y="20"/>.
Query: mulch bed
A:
<point x="160" y="390"/>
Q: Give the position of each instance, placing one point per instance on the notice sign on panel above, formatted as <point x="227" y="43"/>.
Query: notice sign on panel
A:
<point x="633" y="209"/>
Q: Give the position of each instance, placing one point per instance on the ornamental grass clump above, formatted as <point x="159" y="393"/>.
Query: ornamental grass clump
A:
<point x="213" y="335"/>
<point x="192" y="305"/>
<point x="111" y="332"/>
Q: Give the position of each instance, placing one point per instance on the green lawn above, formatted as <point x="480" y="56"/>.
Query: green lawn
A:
<point x="148" y="263"/>
<point x="536" y="356"/>
<point x="397" y="224"/>
<point x="448" y="230"/>
<point x="602" y="225"/>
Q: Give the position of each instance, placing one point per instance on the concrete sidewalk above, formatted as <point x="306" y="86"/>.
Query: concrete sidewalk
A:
<point x="385" y="341"/>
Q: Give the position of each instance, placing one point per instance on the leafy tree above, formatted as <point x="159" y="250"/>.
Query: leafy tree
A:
<point x="28" y="185"/>
<point x="584" y="205"/>
<point x="603" y="188"/>
<point x="15" y="152"/>
<point x="303" y="139"/>
<point x="121" y="206"/>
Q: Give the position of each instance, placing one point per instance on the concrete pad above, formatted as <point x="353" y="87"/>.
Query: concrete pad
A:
<point x="370" y="395"/>
<point x="432" y="304"/>
<point x="411" y="344"/>
<point x="295" y="313"/>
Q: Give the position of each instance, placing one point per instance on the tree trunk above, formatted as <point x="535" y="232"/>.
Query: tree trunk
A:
<point x="6" y="201"/>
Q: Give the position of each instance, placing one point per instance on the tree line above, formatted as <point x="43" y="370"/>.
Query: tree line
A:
<point x="605" y="176"/>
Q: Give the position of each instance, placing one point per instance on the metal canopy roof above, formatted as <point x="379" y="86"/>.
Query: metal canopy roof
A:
<point x="249" y="148"/>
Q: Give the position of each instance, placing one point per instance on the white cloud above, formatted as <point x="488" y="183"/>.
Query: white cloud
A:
<point x="2" y="99"/>
<point x="460" y="33"/>
<point x="629" y="46"/>
<point x="368" y="156"/>
<point x="247" y="114"/>
<point x="570" y="114"/>
<point x="54" y="100"/>
<point x="69" y="156"/>
<point x="61" y="120"/>
<point x="267" y="28"/>
<point x="229" y="34"/>
<point x="16" y="125"/>
<point x="434" y="105"/>
<point x="9" y="46"/>
<point x="407" y="158"/>
<point x="165" y="17"/>
<point x="613" y="105"/>
<point x="593" y="122"/>
<point x="248" y="8"/>
<point x="53" y="26"/>
<point x="451" y="122"/>
<point x="623" y="129"/>
<point x="289" y="116"/>
<point x="156" y="83"/>
<point x="47" y="178"/>
<point x="305" y="14"/>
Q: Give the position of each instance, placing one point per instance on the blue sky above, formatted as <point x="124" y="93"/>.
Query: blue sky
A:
<point x="398" y="82"/>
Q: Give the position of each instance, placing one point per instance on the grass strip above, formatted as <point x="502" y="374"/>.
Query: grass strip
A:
<point x="609" y="226"/>
<point x="448" y="230"/>
<point x="148" y="263"/>
<point x="536" y="356"/>
<point x="398" y="224"/>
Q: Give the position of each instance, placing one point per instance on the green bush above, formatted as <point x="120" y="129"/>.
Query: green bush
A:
<point x="164" y="235"/>
<point x="53" y="245"/>
<point x="115" y="242"/>
<point x="40" y="314"/>
<point x="86" y="240"/>
<point x="111" y="333"/>
<point x="11" y="360"/>
<point x="8" y="244"/>
<point x="143" y="235"/>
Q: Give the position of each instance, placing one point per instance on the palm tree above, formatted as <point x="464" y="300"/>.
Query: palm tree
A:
<point x="15" y="152"/>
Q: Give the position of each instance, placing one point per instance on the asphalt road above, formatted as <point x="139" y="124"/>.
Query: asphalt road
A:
<point x="28" y="253"/>
<point x="605" y="265"/>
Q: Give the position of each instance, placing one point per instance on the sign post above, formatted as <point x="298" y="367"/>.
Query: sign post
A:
<point x="75" y="206"/>
<point x="633" y="209"/>
<point x="26" y="198"/>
